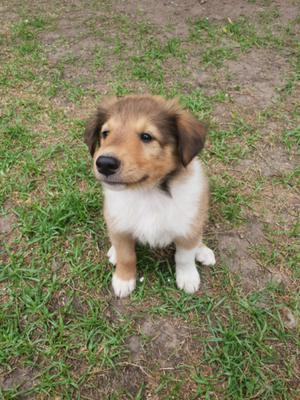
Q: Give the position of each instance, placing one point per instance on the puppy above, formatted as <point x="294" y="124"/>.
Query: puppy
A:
<point x="144" y="152"/>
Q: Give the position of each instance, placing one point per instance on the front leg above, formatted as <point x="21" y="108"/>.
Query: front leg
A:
<point x="124" y="277"/>
<point x="187" y="276"/>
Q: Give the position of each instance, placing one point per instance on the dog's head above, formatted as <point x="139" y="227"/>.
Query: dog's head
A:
<point x="141" y="140"/>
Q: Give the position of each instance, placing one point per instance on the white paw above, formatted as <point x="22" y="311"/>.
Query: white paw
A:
<point x="205" y="256"/>
<point x="122" y="288"/>
<point x="112" y="255"/>
<point x="188" y="279"/>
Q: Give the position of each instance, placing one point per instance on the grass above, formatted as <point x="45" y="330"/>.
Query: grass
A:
<point x="234" y="351"/>
<point x="241" y="36"/>
<point x="63" y="335"/>
<point x="226" y="193"/>
<point x="292" y="138"/>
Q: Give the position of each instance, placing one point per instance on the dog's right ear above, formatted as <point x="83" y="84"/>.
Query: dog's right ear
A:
<point x="93" y="127"/>
<point x="92" y="130"/>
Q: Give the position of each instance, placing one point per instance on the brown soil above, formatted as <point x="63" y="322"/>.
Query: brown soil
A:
<point x="7" y="223"/>
<point x="178" y="13"/>
<point x="276" y="164"/>
<point x="235" y="252"/>
<point x="22" y="378"/>
<point x="258" y="73"/>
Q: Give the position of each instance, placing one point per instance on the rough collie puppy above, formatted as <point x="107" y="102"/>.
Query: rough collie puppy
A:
<point x="144" y="152"/>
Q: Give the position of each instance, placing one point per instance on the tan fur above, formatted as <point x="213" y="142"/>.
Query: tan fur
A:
<point x="138" y="160"/>
<point x="154" y="160"/>
<point x="178" y="137"/>
<point x="126" y="257"/>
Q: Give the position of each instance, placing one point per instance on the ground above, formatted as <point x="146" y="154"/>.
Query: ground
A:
<point x="63" y="335"/>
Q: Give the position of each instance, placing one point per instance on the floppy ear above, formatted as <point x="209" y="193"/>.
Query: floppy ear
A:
<point x="92" y="130"/>
<point x="93" y="127"/>
<point x="191" y="136"/>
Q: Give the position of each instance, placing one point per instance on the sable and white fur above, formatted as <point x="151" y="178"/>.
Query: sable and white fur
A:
<point x="160" y="209"/>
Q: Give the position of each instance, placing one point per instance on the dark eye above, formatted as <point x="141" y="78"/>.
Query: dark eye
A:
<point x="104" y="134"/>
<point x="145" y="137"/>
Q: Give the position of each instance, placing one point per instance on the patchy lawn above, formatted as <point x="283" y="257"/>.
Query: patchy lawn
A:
<point x="63" y="335"/>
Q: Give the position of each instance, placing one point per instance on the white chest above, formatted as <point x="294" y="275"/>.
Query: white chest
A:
<point x="153" y="216"/>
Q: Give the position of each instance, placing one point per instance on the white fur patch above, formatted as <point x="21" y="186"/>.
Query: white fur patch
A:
<point x="154" y="217"/>
<point x="122" y="288"/>
<point x="188" y="279"/>
<point x="187" y="276"/>
<point x="205" y="255"/>
<point x="112" y="255"/>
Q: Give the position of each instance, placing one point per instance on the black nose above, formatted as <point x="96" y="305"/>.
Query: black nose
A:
<point x="107" y="165"/>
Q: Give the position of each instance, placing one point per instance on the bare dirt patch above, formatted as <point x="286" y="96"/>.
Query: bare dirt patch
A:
<point x="168" y="340"/>
<point x="224" y="9"/>
<point x="177" y="13"/>
<point x="73" y="36"/>
<point x="255" y="77"/>
<point x="118" y="308"/>
<point x="8" y="16"/>
<point x="223" y="113"/>
<point x="71" y="25"/>
<point x="235" y="251"/>
<point x="127" y="378"/>
<point x="252" y="83"/>
<point x="288" y="10"/>
<point x="73" y="45"/>
<point x="270" y="161"/>
<point x="280" y="207"/>
<point x="21" y="377"/>
<point x="8" y="230"/>
<point x="81" y="48"/>
<point x="7" y="223"/>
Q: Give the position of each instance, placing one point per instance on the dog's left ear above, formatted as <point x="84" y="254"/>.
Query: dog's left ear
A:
<point x="191" y="136"/>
